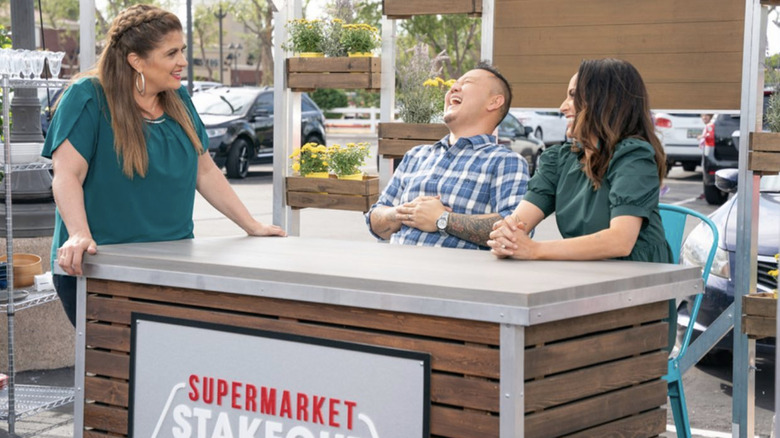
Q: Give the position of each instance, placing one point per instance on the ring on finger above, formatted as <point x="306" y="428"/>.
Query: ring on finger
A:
<point x="503" y="246"/>
<point x="408" y="217"/>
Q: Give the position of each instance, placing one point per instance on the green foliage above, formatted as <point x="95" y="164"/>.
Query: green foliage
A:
<point x="310" y="158"/>
<point x="366" y="99"/>
<point x="772" y="115"/>
<point x="5" y="39"/>
<point x="420" y="97"/>
<point x="329" y="98"/>
<point x="359" y="38"/>
<point x="331" y="40"/>
<point x="456" y="36"/>
<point x="305" y="36"/>
<point x="772" y="71"/>
<point x="347" y="160"/>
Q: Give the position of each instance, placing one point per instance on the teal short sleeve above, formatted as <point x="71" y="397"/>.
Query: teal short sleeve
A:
<point x="633" y="180"/>
<point x="543" y="185"/>
<point x="200" y="128"/>
<point x="76" y="118"/>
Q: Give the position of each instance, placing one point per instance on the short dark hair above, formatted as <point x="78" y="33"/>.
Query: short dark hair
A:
<point x="506" y="89"/>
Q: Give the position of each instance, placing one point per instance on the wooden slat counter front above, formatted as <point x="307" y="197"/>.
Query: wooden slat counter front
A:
<point x="532" y="349"/>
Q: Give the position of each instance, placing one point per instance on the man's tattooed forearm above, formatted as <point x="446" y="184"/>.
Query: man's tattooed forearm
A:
<point x="475" y="229"/>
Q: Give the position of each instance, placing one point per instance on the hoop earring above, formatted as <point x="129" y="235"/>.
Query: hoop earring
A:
<point x="142" y="88"/>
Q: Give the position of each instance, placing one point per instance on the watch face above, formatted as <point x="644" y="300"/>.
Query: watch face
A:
<point x="441" y="223"/>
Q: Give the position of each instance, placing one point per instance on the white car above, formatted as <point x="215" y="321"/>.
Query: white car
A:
<point x="679" y="134"/>
<point x="547" y="126"/>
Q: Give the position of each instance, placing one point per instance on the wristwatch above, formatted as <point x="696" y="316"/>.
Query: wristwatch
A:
<point x="441" y="222"/>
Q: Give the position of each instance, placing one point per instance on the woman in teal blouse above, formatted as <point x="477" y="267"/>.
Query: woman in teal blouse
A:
<point x="127" y="149"/>
<point x="603" y="187"/>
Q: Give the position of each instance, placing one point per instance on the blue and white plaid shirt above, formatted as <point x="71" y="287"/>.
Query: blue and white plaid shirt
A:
<point x="473" y="176"/>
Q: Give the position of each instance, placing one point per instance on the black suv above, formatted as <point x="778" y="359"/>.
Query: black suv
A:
<point x="723" y="153"/>
<point x="240" y="125"/>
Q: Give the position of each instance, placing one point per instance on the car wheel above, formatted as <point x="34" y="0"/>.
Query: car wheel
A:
<point x="714" y="195"/>
<point x="314" y="139"/>
<point x="538" y="134"/>
<point x="237" y="164"/>
<point x="689" y="167"/>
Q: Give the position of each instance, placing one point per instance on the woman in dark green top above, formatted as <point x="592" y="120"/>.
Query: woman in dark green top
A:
<point x="603" y="187"/>
<point x="127" y="149"/>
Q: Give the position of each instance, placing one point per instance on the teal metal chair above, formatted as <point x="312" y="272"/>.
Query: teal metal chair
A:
<point x="674" y="218"/>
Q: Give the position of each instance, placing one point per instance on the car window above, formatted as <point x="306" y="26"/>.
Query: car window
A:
<point x="265" y="102"/>
<point x="307" y="106"/>
<point x="222" y="104"/>
<point x="511" y="124"/>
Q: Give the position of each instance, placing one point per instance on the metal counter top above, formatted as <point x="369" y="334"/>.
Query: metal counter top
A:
<point x="432" y="281"/>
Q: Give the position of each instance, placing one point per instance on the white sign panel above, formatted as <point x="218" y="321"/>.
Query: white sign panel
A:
<point x="191" y="379"/>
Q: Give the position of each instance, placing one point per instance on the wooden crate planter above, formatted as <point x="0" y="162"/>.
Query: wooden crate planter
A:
<point x="306" y="74"/>
<point x="759" y="315"/>
<point x="395" y="139"/>
<point x="332" y="193"/>
<point x="410" y="8"/>
<point x="764" y="152"/>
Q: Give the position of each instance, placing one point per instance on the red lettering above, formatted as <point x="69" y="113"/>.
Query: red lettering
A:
<point x="208" y="390"/>
<point x="235" y="394"/>
<point x="222" y="390"/>
<point x="316" y="410"/>
<point x="333" y="413"/>
<point x="350" y="413"/>
<point x="303" y="403"/>
<point x="286" y="408"/>
<point x="251" y="398"/>
<point x="194" y="396"/>
<point x="267" y="400"/>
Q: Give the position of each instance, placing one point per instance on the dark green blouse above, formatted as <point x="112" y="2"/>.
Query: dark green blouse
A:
<point x="630" y="188"/>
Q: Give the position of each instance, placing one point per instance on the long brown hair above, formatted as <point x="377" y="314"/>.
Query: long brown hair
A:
<point x="138" y="29"/>
<point x="612" y="104"/>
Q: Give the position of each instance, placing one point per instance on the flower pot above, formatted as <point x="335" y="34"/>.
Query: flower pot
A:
<point x="354" y="177"/>
<point x="395" y="139"/>
<point x="360" y="55"/>
<point x="764" y="152"/>
<point x="332" y="193"/>
<point x="317" y="175"/>
<point x="311" y="55"/>
<point x="307" y="74"/>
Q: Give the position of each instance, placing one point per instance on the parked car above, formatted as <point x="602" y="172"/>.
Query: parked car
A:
<point x="240" y="125"/>
<point x="722" y="152"/>
<point x="679" y="135"/>
<point x="719" y="290"/>
<point x="202" y="85"/>
<point x="547" y="126"/>
<point x="519" y="138"/>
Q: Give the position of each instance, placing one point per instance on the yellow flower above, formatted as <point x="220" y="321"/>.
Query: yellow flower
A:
<point x="296" y="166"/>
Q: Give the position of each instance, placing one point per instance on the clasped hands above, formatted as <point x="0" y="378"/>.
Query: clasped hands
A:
<point x="420" y="213"/>
<point x="509" y="238"/>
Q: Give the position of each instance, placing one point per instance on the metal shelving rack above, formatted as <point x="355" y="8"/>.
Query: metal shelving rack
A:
<point x="18" y="401"/>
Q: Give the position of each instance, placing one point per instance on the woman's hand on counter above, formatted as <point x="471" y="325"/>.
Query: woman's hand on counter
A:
<point x="71" y="254"/>
<point x="259" y="229"/>
<point x="509" y="238"/>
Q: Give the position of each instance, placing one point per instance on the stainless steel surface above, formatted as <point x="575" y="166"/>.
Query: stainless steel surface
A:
<point x="33" y="299"/>
<point x="512" y="394"/>
<point x="80" y="356"/>
<point x="30" y="166"/>
<point x="31" y="399"/>
<point x="433" y="281"/>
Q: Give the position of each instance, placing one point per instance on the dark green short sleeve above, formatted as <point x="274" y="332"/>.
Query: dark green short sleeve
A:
<point x="76" y="118"/>
<point x="633" y="178"/>
<point x="543" y="185"/>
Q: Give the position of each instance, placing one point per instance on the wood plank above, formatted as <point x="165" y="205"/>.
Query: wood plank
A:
<point x="765" y="141"/>
<point x="413" y="131"/>
<point x="595" y="411"/>
<point x="369" y="185"/>
<point x="650" y="423"/>
<point x="569" y="355"/>
<point x="575" y="327"/>
<point x="471" y="393"/>
<point x="760" y="304"/>
<point x="456" y="423"/>
<point x="109" y="336"/>
<point x="683" y="96"/>
<point x="561" y="13"/>
<point x="764" y="161"/>
<point x="567" y="387"/>
<point x="585" y="38"/>
<point x="331" y="201"/>
<point x="111" y="392"/>
<point x="96" y="434"/>
<point x="392" y="148"/>
<point x="105" y="418"/>
<point x="757" y="327"/>
<point x="104" y="363"/>
<point x="445" y="356"/>
<point x="432" y="326"/>
<point x="308" y="81"/>
<point x="334" y="65"/>
<point x="406" y="8"/>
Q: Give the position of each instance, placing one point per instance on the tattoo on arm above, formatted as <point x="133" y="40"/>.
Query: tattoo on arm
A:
<point x="473" y="228"/>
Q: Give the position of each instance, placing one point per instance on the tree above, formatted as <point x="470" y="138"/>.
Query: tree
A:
<point x="454" y="36"/>
<point x="257" y="18"/>
<point x="205" y="33"/>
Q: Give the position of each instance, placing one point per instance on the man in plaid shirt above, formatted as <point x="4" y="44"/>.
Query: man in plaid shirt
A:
<point x="451" y="192"/>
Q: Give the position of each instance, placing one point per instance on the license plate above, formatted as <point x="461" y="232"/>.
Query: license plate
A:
<point x="693" y="133"/>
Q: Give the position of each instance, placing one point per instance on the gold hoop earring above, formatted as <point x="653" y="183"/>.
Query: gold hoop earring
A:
<point x="142" y="88"/>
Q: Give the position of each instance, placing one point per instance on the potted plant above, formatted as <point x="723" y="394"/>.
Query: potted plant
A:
<point x="345" y="161"/>
<point x="305" y="37"/>
<point x="311" y="160"/>
<point x="764" y="155"/>
<point x="359" y="40"/>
